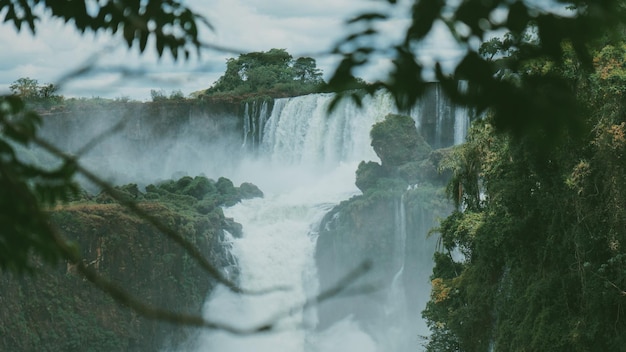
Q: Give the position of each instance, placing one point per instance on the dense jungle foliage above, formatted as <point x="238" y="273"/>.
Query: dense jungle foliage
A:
<point x="534" y="259"/>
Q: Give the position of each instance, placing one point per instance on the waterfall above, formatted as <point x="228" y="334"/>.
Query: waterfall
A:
<point x="246" y="124"/>
<point x="254" y="118"/>
<point x="461" y="118"/>
<point x="262" y="118"/>
<point x="396" y="337"/>
<point x="305" y="164"/>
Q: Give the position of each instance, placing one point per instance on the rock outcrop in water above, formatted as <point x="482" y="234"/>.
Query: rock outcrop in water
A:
<point x="57" y="310"/>
<point x="387" y="225"/>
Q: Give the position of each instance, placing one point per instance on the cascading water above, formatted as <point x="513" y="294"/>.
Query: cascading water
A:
<point x="396" y="306"/>
<point x="306" y="166"/>
<point x="254" y="117"/>
<point x="461" y="118"/>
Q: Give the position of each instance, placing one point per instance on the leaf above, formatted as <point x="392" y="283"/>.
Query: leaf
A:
<point x="550" y="36"/>
<point x="143" y="40"/>
<point x="517" y="19"/>
<point x="159" y="45"/>
<point x="474" y="68"/>
<point x="424" y="14"/>
<point x="129" y="34"/>
<point x="370" y="16"/>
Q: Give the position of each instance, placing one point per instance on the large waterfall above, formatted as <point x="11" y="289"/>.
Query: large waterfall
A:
<point x="305" y="163"/>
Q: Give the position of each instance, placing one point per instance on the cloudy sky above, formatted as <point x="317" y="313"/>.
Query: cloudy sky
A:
<point x="303" y="28"/>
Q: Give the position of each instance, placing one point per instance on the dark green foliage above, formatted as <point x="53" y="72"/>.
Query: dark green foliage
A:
<point x="396" y="141"/>
<point x="542" y="106"/>
<point x="169" y="24"/>
<point x="196" y="187"/>
<point x="403" y="152"/>
<point x="542" y="265"/>
<point x="367" y="174"/>
<point x="203" y="193"/>
<point x="26" y="190"/>
<point x="159" y="96"/>
<point x="305" y="71"/>
<point x="274" y="73"/>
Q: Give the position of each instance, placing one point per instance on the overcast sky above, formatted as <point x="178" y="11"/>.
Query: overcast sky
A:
<point x="303" y="28"/>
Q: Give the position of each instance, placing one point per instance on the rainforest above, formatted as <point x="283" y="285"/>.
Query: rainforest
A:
<point x="479" y="209"/>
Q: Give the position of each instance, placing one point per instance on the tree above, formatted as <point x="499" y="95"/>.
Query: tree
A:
<point x="30" y="90"/>
<point x="274" y="72"/>
<point x="157" y="95"/>
<point x="306" y="71"/>
<point x="25" y="87"/>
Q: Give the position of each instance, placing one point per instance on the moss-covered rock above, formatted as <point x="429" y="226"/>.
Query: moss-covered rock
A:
<point x="248" y="190"/>
<point x="396" y="141"/>
<point x="228" y="193"/>
<point x="416" y="172"/>
<point x="367" y="174"/>
<point x="387" y="224"/>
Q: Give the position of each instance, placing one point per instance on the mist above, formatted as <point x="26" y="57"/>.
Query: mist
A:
<point x="304" y="160"/>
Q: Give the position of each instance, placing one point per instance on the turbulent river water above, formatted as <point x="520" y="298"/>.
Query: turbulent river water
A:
<point x="305" y="163"/>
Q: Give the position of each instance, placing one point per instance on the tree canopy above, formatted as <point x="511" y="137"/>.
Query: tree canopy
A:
<point x="36" y="94"/>
<point x="274" y="72"/>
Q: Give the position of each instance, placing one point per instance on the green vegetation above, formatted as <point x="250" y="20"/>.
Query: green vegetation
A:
<point x="38" y="96"/>
<point x="543" y="262"/>
<point x="30" y="89"/>
<point x="406" y="158"/>
<point x="56" y="310"/>
<point x="273" y="73"/>
<point x="160" y="95"/>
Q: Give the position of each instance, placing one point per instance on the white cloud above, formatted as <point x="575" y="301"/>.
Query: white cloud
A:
<point x="303" y="28"/>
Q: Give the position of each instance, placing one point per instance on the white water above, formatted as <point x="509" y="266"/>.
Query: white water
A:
<point x="461" y="118"/>
<point x="307" y="165"/>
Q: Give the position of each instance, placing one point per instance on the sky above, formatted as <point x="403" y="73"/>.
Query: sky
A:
<point x="303" y="28"/>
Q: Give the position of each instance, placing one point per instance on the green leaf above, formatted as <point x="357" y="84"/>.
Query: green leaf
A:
<point x="370" y="16"/>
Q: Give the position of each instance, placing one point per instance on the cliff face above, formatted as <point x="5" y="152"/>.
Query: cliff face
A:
<point x="142" y="142"/>
<point x="57" y="310"/>
<point x="144" y="123"/>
